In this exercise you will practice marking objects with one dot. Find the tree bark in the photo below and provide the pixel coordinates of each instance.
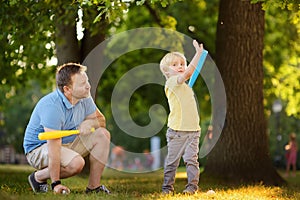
(67, 46)
(242, 154)
(94, 34)
(89, 42)
(67, 49)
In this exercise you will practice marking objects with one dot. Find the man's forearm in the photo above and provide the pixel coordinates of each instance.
(101, 119)
(54, 151)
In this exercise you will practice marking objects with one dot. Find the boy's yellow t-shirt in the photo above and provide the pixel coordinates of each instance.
(184, 114)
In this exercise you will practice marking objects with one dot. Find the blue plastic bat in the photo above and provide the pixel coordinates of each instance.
(198, 68)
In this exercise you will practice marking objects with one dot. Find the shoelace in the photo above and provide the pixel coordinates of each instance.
(104, 189)
(43, 187)
(101, 188)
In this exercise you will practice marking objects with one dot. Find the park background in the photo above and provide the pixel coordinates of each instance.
(254, 44)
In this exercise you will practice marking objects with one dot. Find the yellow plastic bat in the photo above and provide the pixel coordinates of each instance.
(58, 134)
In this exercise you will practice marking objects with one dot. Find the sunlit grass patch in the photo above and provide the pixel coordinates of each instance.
(14, 185)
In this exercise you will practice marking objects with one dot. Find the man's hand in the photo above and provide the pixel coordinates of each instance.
(85, 127)
(94, 120)
(61, 189)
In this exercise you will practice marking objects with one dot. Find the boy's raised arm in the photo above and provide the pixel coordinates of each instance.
(192, 66)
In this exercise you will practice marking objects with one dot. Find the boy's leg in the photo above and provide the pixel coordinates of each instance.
(176, 146)
(190, 158)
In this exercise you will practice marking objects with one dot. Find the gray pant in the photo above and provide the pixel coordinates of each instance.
(183, 144)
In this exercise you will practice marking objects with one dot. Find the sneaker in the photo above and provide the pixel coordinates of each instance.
(36, 186)
(189, 191)
(101, 188)
(167, 192)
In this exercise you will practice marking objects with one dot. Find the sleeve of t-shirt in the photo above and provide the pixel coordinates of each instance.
(171, 83)
(90, 106)
(52, 117)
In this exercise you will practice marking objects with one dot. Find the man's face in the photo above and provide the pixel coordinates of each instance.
(81, 86)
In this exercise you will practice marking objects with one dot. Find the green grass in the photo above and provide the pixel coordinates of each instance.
(14, 185)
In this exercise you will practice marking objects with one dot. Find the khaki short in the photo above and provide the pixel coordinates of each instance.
(82, 145)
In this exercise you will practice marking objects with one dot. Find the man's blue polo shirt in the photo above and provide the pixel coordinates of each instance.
(54, 111)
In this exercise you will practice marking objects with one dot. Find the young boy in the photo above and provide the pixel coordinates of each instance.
(183, 122)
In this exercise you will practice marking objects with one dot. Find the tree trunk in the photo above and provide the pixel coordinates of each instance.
(242, 154)
(94, 32)
(67, 49)
(89, 42)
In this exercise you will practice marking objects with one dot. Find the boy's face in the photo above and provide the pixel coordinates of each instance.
(178, 65)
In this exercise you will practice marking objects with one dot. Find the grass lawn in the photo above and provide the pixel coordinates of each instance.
(14, 185)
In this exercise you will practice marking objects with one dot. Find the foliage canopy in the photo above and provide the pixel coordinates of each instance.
(28, 45)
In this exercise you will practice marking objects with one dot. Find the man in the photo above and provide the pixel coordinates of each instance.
(69, 107)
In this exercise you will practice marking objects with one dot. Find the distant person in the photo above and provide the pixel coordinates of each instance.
(291, 154)
(149, 159)
(68, 107)
(183, 122)
(117, 157)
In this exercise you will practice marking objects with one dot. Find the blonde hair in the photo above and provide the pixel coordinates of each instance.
(167, 60)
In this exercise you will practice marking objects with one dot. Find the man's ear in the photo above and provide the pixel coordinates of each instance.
(67, 89)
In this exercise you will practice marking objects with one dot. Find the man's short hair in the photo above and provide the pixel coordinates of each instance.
(65, 72)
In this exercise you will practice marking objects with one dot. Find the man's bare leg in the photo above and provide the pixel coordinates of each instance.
(98, 157)
(72, 169)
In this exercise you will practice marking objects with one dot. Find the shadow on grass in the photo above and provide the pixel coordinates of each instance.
(14, 185)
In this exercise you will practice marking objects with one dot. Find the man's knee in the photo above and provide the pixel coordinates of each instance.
(76, 165)
(103, 133)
